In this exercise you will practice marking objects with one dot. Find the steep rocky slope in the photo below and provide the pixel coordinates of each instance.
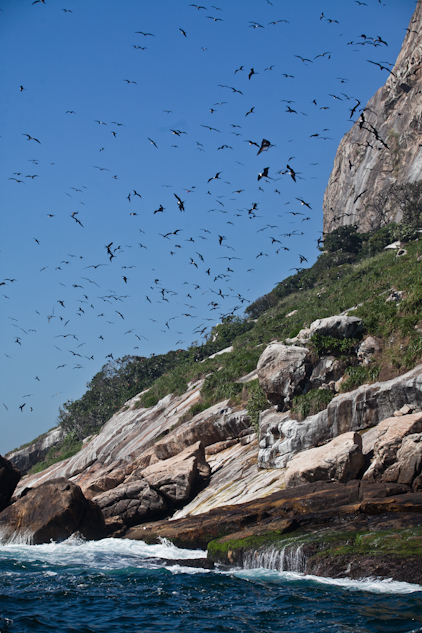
(383, 148)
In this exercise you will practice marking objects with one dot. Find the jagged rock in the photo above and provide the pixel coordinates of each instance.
(132, 503)
(367, 349)
(387, 439)
(281, 370)
(9, 478)
(282, 437)
(353, 195)
(52, 511)
(327, 370)
(408, 464)
(341, 459)
(216, 424)
(26, 457)
(338, 326)
(175, 477)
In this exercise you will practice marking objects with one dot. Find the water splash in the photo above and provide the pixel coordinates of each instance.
(16, 537)
(289, 558)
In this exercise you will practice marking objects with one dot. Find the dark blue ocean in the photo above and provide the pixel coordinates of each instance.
(114, 586)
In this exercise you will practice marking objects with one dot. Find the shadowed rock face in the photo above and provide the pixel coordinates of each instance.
(53, 511)
(365, 167)
(9, 477)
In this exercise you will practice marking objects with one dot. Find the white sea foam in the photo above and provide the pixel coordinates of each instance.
(373, 585)
(101, 555)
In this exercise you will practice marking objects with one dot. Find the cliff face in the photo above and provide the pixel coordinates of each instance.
(383, 148)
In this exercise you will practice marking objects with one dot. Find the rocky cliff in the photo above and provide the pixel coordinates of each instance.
(383, 149)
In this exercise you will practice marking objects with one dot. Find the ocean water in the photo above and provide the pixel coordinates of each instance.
(114, 586)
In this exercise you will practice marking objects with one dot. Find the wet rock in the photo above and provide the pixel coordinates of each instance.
(52, 511)
(341, 459)
(281, 370)
(9, 478)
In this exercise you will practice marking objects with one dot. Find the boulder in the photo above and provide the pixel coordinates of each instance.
(132, 502)
(386, 440)
(328, 369)
(367, 349)
(281, 370)
(52, 511)
(338, 326)
(174, 477)
(341, 460)
(9, 477)
(408, 465)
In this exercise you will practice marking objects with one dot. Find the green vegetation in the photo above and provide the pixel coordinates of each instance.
(352, 271)
(403, 543)
(312, 402)
(257, 402)
(70, 446)
(360, 375)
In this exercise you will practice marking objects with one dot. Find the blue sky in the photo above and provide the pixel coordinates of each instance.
(74, 60)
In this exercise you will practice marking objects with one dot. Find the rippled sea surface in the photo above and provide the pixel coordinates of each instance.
(114, 586)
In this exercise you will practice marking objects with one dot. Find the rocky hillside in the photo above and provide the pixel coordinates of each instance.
(383, 149)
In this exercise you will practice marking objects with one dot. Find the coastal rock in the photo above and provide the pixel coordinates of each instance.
(282, 437)
(133, 502)
(281, 370)
(341, 459)
(316, 504)
(387, 439)
(216, 424)
(408, 465)
(174, 477)
(52, 511)
(362, 196)
(26, 457)
(9, 478)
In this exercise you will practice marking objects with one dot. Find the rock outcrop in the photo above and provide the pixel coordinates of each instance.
(281, 437)
(394, 459)
(339, 460)
(25, 458)
(382, 148)
(52, 511)
(9, 478)
(281, 370)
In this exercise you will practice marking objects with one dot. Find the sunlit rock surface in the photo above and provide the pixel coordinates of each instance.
(281, 437)
(365, 167)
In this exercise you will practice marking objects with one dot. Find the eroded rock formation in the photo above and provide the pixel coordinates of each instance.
(52, 511)
(383, 147)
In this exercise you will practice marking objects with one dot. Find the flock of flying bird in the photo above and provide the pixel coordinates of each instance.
(216, 275)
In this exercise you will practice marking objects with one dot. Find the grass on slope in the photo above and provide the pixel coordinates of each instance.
(336, 282)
